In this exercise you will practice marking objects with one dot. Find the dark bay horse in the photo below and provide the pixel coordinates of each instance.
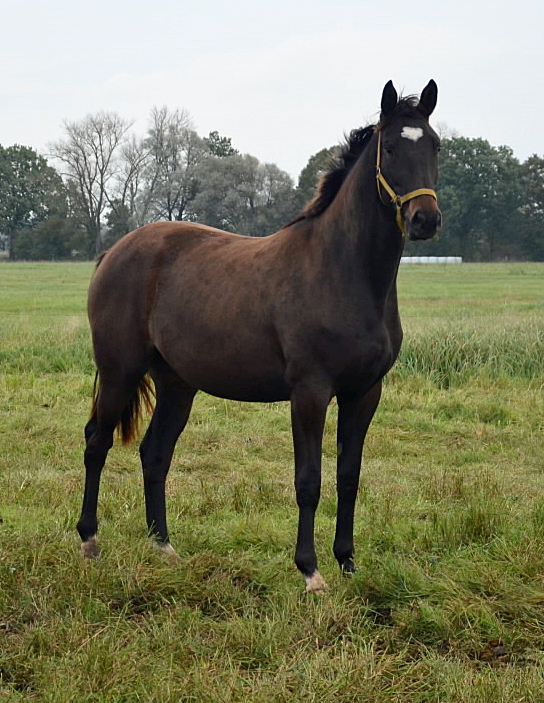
(305, 314)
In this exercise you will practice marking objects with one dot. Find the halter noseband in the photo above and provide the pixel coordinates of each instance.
(399, 200)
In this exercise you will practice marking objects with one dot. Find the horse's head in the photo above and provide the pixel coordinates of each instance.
(407, 161)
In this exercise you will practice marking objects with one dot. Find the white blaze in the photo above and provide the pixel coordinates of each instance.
(413, 133)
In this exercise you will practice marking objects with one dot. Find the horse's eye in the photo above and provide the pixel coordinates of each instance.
(388, 149)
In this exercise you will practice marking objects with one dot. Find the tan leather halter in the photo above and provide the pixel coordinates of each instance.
(399, 200)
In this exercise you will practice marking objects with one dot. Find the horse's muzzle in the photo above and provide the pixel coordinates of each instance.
(424, 219)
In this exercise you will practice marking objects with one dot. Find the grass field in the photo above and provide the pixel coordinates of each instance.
(448, 603)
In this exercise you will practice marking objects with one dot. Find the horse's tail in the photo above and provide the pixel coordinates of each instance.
(140, 402)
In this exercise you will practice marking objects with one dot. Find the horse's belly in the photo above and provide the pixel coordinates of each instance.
(248, 380)
(227, 369)
(270, 392)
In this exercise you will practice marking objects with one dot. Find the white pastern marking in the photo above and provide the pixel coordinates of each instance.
(166, 549)
(413, 133)
(89, 549)
(315, 583)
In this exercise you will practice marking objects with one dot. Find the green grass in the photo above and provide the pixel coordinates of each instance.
(448, 603)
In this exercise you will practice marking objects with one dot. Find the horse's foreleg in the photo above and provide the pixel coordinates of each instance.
(308, 411)
(172, 410)
(355, 413)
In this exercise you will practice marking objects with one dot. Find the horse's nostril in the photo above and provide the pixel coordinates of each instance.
(418, 218)
(427, 220)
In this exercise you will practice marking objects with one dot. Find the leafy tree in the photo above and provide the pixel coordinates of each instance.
(480, 197)
(219, 146)
(119, 222)
(532, 180)
(239, 194)
(55, 238)
(277, 201)
(31, 191)
(225, 188)
(309, 176)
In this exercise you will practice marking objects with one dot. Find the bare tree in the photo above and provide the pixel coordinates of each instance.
(444, 131)
(175, 150)
(90, 166)
(134, 157)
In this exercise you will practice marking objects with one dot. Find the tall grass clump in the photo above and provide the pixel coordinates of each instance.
(48, 344)
(452, 353)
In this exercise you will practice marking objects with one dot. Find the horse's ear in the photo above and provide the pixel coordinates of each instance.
(389, 99)
(427, 101)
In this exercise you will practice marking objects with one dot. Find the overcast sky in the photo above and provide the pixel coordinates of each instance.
(282, 79)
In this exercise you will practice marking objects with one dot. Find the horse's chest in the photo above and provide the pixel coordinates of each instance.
(375, 353)
(366, 356)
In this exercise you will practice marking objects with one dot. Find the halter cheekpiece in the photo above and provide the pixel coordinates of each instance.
(399, 200)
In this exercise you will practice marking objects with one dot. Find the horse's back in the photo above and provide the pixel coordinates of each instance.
(130, 269)
(202, 298)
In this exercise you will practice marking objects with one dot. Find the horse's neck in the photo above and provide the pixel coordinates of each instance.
(363, 234)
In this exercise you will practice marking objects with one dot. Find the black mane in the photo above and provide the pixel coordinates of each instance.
(331, 181)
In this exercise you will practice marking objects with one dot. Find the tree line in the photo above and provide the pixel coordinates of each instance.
(100, 181)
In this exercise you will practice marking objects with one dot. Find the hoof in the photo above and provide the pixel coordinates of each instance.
(89, 549)
(348, 568)
(167, 550)
(316, 584)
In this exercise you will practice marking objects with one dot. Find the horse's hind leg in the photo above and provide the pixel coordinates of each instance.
(112, 399)
(172, 409)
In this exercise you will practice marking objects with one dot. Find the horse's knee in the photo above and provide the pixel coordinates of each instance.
(308, 491)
